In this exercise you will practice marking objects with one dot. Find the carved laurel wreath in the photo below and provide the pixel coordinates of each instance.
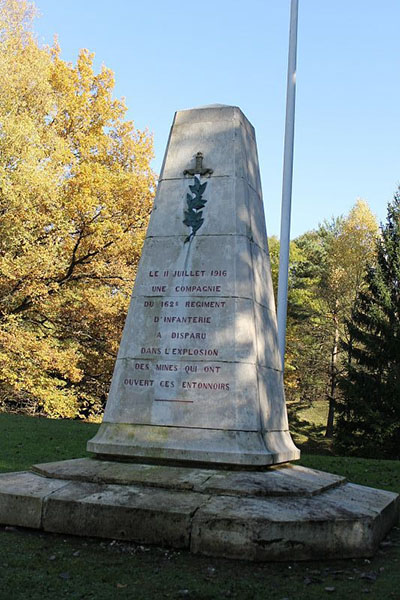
(195, 204)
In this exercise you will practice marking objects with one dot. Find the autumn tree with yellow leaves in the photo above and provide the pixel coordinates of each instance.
(337, 254)
(327, 268)
(76, 190)
(350, 248)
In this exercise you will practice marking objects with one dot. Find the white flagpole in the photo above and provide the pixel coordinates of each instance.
(287, 182)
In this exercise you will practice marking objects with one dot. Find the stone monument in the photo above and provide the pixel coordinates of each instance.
(198, 376)
(194, 448)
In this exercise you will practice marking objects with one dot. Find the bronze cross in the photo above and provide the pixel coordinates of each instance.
(198, 170)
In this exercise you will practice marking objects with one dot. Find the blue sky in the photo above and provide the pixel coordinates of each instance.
(172, 55)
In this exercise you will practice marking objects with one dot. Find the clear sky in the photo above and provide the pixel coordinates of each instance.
(173, 54)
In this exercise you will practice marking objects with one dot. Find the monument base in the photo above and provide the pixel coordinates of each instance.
(287, 512)
(191, 445)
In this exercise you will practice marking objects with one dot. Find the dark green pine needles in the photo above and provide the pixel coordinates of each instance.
(369, 415)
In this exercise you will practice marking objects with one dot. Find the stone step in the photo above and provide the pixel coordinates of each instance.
(285, 480)
(221, 514)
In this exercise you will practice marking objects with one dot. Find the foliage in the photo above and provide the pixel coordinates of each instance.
(326, 271)
(303, 369)
(75, 194)
(369, 421)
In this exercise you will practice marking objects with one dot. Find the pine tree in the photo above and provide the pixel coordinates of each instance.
(369, 415)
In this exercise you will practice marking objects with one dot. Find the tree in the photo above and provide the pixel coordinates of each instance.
(369, 414)
(337, 256)
(349, 245)
(303, 355)
(326, 271)
(75, 195)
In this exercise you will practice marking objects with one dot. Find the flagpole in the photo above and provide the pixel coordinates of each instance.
(287, 182)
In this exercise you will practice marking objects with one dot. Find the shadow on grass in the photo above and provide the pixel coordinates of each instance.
(308, 436)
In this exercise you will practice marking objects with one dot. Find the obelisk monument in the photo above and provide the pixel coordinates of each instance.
(198, 377)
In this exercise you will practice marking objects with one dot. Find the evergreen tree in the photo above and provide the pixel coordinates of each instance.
(369, 415)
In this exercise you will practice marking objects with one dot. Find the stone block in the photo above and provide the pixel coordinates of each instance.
(125, 473)
(263, 292)
(21, 498)
(220, 134)
(224, 324)
(219, 266)
(267, 339)
(257, 217)
(287, 528)
(285, 480)
(145, 515)
(274, 416)
(204, 447)
(216, 395)
(226, 212)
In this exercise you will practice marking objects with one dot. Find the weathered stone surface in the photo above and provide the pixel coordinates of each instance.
(228, 255)
(285, 480)
(227, 136)
(198, 376)
(150, 516)
(21, 498)
(154, 403)
(343, 522)
(241, 206)
(283, 513)
(196, 325)
(193, 445)
(124, 473)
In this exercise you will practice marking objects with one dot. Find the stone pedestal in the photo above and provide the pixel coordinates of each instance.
(286, 512)
(198, 377)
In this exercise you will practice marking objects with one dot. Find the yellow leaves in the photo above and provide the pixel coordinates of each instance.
(350, 249)
(75, 195)
(32, 364)
(16, 17)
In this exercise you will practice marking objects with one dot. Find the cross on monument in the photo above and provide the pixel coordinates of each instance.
(198, 170)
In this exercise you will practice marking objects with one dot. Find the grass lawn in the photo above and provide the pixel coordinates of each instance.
(45, 566)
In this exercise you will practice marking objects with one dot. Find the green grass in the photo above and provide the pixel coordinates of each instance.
(308, 424)
(25, 441)
(44, 566)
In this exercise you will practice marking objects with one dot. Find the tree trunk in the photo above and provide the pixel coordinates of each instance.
(333, 381)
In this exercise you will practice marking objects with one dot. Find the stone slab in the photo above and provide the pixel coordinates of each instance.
(202, 447)
(21, 498)
(216, 266)
(225, 137)
(217, 396)
(145, 515)
(283, 513)
(124, 473)
(241, 207)
(285, 480)
(343, 522)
